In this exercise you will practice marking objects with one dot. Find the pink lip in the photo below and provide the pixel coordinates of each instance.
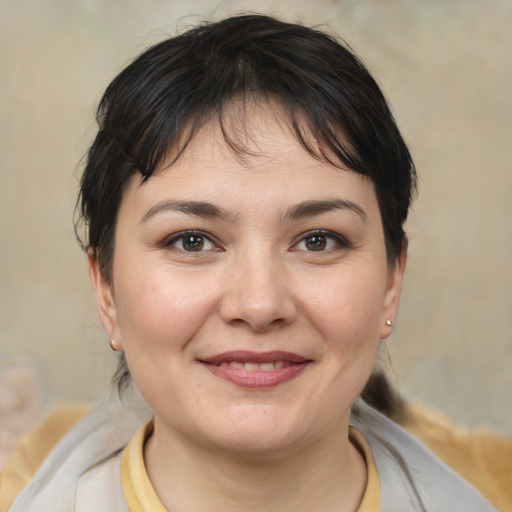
(290, 365)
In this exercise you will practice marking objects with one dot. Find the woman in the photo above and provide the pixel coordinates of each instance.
(244, 201)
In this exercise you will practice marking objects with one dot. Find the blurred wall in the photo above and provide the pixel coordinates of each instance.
(446, 68)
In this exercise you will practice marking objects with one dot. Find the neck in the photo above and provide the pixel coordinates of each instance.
(328, 474)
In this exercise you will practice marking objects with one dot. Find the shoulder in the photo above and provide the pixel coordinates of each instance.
(31, 450)
(85, 457)
(480, 456)
(100, 488)
(412, 478)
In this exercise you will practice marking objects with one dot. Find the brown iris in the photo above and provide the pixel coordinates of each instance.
(316, 243)
(193, 242)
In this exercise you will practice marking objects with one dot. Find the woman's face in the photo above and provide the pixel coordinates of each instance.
(250, 295)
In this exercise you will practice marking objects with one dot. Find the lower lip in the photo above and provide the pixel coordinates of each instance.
(257, 379)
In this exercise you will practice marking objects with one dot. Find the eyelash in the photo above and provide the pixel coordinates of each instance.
(176, 237)
(340, 241)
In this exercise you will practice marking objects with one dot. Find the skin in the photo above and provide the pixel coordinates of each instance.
(261, 282)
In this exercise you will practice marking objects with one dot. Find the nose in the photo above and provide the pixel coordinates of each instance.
(258, 295)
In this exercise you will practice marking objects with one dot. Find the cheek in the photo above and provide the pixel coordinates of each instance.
(347, 309)
(158, 317)
(159, 313)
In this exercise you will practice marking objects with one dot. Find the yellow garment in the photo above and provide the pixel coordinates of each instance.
(371, 498)
(33, 448)
(138, 491)
(141, 496)
(481, 457)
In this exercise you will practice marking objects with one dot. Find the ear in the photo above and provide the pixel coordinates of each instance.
(393, 292)
(105, 302)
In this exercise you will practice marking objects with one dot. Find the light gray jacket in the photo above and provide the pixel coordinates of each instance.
(82, 474)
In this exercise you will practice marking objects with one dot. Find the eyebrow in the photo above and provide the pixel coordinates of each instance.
(295, 212)
(314, 207)
(199, 208)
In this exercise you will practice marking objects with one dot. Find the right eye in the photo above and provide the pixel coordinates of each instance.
(321, 240)
(191, 242)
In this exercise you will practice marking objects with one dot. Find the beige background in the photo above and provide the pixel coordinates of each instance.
(446, 67)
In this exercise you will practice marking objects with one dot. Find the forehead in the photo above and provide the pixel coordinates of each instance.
(253, 156)
(251, 129)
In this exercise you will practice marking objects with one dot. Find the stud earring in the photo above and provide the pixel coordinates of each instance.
(389, 323)
(112, 345)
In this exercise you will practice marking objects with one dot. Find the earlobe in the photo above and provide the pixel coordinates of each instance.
(105, 302)
(393, 292)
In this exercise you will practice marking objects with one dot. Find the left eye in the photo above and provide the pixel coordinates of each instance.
(318, 242)
(192, 242)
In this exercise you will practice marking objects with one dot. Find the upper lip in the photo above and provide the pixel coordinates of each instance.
(248, 356)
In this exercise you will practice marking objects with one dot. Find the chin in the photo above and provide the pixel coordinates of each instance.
(258, 432)
(258, 443)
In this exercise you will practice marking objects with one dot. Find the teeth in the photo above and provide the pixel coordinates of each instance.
(266, 367)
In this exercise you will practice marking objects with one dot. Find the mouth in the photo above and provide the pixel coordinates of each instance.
(256, 369)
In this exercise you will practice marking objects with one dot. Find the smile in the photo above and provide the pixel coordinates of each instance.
(266, 367)
(256, 370)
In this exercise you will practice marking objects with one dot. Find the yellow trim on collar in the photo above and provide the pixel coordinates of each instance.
(371, 497)
(138, 490)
